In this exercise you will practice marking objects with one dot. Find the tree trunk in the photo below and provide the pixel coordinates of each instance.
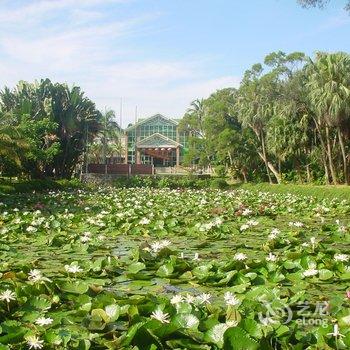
(230, 158)
(343, 152)
(330, 158)
(308, 173)
(243, 172)
(265, 157)
(323, 152)
(270, 167)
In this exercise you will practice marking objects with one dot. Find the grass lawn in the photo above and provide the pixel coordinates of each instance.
(340, 192)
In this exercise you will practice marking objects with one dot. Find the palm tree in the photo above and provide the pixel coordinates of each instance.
(12, 144)
(255, 107)
(329, 92)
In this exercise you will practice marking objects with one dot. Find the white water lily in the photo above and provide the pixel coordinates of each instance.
(275, 231)
(240, 257)
(231, 299)
(34, 342)
(176, 299)
(296, 224)
(204, 298)
(189, 299)
(7, 295)
(31, 229)
(247, 212)
(341, 257)
(311, 271)
(271, 257)
(85, 239)
(313, 242)
(160, 316)
(37, 276)
(145, 221)
(43, 321)
(73, 268)
(252, 222)
(159, 245)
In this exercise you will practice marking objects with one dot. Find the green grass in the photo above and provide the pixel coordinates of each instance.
(320, 192)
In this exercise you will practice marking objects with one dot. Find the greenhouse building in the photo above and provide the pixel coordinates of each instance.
(156, 141)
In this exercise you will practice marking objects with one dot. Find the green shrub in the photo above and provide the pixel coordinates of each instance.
(221, 170)
(38, 185)
(220, 184)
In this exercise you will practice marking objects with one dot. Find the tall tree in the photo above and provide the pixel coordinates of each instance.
(54, 119)
(329, 92)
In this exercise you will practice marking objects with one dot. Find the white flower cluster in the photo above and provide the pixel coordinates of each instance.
(249, 224)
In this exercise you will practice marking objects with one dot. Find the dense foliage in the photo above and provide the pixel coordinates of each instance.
(44, 128)
(320, 3)
(288, 120)
(173, 269)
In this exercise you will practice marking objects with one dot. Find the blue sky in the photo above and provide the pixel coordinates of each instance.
(156, 54)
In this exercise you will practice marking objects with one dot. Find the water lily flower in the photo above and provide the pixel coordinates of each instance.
(240, 257)
(347, 294)
(296, 224)
(157, 246)
(34, 342)
(313, 242)
(231, 299)
(160, 316)
(275, 231)
(7, 296)
(311, 271)
(204, 298)
(246, 212)
(85, 239)
(190, 299)
(176, 299)
(252, 222)
(144, 221)
(73, 268)
(36, 276)
(341, 257)
(244, 227)
(43, 321)
(271, 257)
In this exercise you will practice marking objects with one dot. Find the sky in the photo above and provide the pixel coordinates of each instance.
(158, 55)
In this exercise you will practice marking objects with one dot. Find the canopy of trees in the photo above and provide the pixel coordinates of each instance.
(44, 128)
(289, 119)
(320, 3)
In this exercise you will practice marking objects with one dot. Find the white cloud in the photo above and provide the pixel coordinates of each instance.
(79, 41)
(36, 10)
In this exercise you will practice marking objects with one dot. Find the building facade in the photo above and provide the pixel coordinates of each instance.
(155, 140)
